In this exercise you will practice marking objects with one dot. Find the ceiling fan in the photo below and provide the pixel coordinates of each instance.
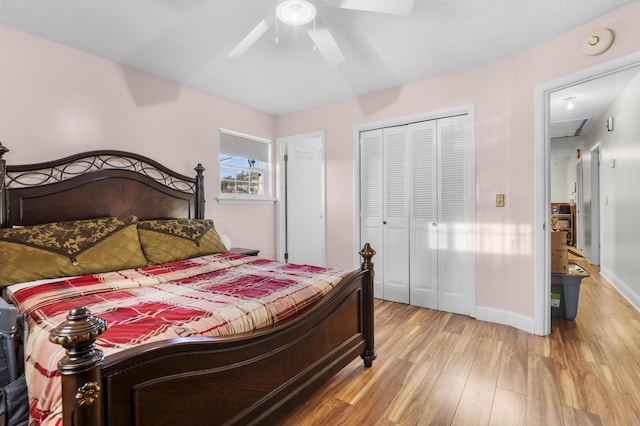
(302, 12)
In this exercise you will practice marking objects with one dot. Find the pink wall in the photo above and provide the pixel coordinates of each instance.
(503, 94)
(57, 101)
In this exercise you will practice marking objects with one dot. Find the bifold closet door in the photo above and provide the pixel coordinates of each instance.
(384, 209)
(371, 202)
(456, 216)
(417, 211)
(441, 212)
(395, 224)
(423, 223)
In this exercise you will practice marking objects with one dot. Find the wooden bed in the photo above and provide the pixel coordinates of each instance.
(251, 378)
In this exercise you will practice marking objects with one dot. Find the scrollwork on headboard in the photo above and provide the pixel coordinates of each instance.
(93, 161)
(84, 179)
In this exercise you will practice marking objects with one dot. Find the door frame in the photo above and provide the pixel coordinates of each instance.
(579, 225)
(280, 190)
(469, 110)
(595, 204)
(542, 187)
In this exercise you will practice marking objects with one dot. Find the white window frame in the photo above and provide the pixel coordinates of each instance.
(229, 137)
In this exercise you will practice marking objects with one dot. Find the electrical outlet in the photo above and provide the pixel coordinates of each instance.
(499, 200)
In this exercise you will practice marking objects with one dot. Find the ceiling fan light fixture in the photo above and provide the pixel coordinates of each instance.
(296, 12)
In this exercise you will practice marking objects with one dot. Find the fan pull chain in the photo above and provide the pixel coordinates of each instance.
(276, 30)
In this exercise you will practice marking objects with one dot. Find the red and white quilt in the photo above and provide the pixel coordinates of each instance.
(215, 295)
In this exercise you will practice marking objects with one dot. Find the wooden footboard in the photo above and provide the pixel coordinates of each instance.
(244, 379)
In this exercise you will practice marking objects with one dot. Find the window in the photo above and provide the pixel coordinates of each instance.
(244, 167)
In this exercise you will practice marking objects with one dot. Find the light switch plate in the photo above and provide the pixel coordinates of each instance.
(499, 200)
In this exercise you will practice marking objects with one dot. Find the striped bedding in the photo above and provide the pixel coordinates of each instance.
(216, 295)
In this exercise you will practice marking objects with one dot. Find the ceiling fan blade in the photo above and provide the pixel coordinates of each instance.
(253, 36)
(393, 7)
(326, 44)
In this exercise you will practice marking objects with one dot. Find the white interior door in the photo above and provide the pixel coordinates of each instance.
(303, 199)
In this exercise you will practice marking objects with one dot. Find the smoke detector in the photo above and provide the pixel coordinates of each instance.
(597, 42)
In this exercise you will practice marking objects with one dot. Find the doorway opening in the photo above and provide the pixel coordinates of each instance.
(543, 136)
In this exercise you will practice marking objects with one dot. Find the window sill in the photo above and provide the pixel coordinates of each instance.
(240, 200)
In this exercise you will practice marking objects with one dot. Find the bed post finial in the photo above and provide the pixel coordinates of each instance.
(369, 353)
(3, 150)
(3, 170)
(82, 395)
(199, 191)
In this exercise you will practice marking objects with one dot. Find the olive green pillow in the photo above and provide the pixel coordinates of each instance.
(69, 248)
(168, 240)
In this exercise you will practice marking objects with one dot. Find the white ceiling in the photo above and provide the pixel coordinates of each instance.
(187, 41)
(592, 99)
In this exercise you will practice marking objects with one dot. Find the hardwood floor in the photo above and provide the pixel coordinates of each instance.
(446, 369)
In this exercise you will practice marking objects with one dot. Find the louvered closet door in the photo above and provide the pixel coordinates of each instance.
(423, 235)
(395, 214)
(371, 201)
(417, 211)
(456, 204)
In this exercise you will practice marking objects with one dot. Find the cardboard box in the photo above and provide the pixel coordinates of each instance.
(559, 257)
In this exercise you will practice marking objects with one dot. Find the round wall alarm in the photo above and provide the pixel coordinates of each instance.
(597, 42)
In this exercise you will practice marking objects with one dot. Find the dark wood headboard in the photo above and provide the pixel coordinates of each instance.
(96, 184)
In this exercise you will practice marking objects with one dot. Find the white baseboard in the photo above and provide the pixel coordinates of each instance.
(626, 291)
(509, 318)
(525, 323)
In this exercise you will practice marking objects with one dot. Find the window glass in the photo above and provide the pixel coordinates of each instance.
(243, 165)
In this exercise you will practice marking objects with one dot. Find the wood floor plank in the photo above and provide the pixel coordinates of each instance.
(367, 379)
(477, 398)
(569, 367)
(627, 377)
(573, 417)
(539, 345)
(543, 394)
(605, 398)
(421, 379)
(508, 409)
(461, 359)
(368, 410)
(456, 324)
(441, 404)
(418, 335)
(332, 411)
(628, 335)
(513, 364)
